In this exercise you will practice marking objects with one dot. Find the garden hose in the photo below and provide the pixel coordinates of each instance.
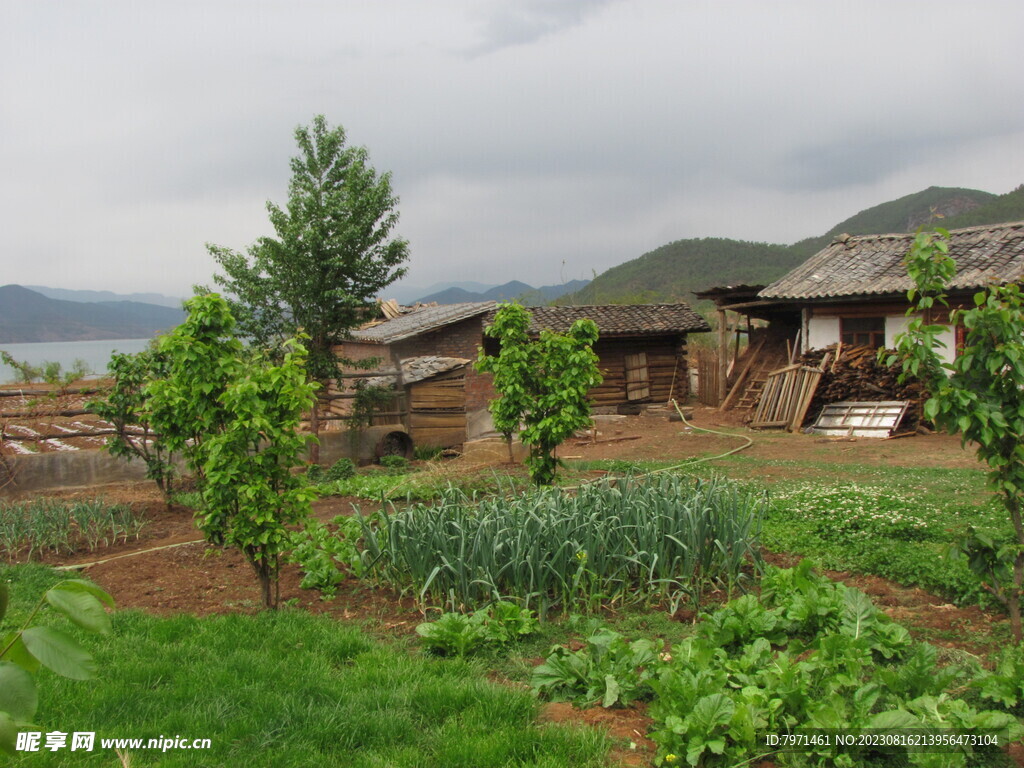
(689, 462)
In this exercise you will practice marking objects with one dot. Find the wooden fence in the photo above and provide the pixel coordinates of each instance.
(707, 377)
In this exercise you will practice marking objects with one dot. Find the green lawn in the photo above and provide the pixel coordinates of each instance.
(287, 689)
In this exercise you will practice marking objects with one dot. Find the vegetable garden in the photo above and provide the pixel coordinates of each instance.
(790, 650)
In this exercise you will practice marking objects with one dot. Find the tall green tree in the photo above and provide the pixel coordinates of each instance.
(980, 395)
(334, 249)
(235, 415)
(542, 383)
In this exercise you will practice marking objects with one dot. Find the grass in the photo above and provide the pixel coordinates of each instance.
(288, 689)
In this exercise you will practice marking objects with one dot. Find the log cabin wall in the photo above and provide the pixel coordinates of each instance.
(666, 369)
(437, 410)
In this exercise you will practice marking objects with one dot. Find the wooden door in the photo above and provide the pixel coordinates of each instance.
(638, 382)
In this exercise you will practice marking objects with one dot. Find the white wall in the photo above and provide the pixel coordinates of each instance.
(824, 331)
(897, 324)
(821, 332)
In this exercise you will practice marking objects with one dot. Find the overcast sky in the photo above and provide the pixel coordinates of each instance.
(538, 140)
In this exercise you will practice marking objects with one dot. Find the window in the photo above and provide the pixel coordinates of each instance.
(862, 331)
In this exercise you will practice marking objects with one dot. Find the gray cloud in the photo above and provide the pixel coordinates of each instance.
(506, 25)
(589, 133)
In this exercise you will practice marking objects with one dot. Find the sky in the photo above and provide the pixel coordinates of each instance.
(532, 140)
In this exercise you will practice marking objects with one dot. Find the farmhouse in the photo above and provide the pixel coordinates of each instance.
(428, 355)
(854, 291)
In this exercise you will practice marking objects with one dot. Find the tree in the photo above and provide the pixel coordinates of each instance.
(980, 395)
(543, 384)
(126, 408)
(332, 253)
(235, 417)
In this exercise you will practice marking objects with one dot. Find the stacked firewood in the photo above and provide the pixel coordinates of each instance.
(856, 375)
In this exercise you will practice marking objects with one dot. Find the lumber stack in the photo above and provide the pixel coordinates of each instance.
(854, 373)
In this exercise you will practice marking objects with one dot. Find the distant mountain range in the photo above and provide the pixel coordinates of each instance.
(29, 316)
(674, 271)
(66, 294)
(514, 289)
(669, 273)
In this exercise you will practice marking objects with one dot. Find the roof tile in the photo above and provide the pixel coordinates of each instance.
(873, 264)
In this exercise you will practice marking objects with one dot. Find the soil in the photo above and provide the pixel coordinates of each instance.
(169, 569)
(44, 430)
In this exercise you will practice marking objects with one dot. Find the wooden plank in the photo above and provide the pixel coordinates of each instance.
(743, 376)
(637, 378)
(439, 420)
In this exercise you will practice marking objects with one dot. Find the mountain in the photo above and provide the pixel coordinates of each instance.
(674, 271)
(409, 294)
(66, 294)
(512, 290)
(29, 316)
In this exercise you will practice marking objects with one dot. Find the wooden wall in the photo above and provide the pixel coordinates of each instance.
(666, 359)
(437, 410)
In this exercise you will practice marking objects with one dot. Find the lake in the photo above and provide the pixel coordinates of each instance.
(96, 354)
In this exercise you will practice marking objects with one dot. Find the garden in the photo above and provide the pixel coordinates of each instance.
(671, 600)
(452, 615)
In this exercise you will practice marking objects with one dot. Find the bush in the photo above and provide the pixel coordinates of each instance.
(395, 463)
(342, 469)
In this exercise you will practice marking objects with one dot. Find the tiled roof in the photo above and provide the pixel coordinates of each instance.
(421, 321)
(419, 368)
(873, 264)
(619, 319)
(415, 369)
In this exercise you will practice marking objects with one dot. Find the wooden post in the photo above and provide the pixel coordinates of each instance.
(723, 355)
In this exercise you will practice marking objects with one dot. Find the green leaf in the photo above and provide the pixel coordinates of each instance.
(611, 691)
(893, 719)
(92, 589)
(711, 711)
(8, 734)
(17, 653)
(58, 652)
(78, 603)
(4, 598)
(18, 696)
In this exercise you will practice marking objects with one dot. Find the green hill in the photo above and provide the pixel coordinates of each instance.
(674, 271)
(1008, 207)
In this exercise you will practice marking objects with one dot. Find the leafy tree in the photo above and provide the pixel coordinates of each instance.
(22, 652)
(126, 408)
(543, 384)
(235, 416)
(332, 253)
(980, 395)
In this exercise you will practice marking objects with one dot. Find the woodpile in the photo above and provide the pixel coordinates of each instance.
(854, 373)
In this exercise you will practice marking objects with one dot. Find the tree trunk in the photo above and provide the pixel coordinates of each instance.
(314, 427)
(1017, 588)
